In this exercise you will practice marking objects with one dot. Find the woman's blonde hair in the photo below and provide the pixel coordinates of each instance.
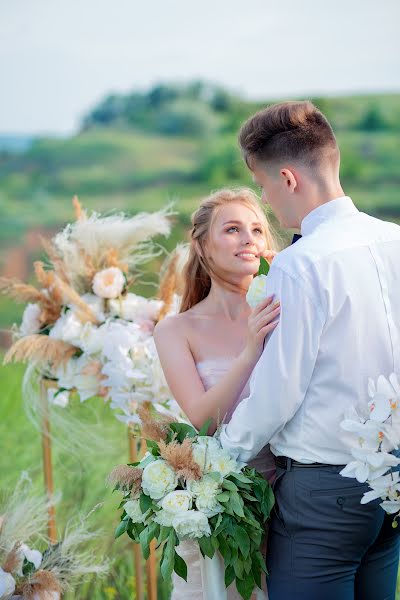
(198, 271)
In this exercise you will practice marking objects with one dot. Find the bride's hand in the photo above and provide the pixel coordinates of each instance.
(262, 320)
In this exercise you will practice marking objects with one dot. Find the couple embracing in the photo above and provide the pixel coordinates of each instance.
(283, 374)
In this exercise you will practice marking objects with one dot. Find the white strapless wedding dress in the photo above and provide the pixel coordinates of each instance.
(204, 575)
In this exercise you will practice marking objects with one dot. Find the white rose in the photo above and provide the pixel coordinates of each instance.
(164, 518)
(30, 320)
(191, 524)
(177, 502)
(57, 398)
(7, 584)
(223, 463)
(67, 328)
(257, 291)
(108, 283)
(203, 451)
(206, 491)
(158, 479)
(132, 509)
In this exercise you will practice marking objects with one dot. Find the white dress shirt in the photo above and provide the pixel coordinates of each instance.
(339, 288)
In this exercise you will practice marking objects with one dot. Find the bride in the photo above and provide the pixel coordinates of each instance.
(208, 351)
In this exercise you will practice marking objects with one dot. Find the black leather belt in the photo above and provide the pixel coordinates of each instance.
(283, 462)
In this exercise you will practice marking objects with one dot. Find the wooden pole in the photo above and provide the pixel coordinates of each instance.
(151, 568)
(47, 461)
(133, 455)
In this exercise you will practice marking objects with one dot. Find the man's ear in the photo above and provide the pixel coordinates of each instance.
(290, 179)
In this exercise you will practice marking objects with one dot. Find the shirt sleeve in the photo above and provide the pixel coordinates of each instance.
(282, 375)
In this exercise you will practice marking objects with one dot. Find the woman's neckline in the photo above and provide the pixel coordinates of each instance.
(216, 359)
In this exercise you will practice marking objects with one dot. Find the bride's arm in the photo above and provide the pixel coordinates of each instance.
(182, 376)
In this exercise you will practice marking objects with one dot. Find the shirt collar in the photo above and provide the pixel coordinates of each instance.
(342, 206)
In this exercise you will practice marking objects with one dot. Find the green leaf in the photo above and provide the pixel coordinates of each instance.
(240, 477)
(229, 485)
(264, 266)
(243, 540)
(223, 497)
(180, 566)
(206, 546)
(237, 504)
(151, 445)
(223, 524)
(219, 521)
(245, 586)
(183, 430)
(168, 558)
(238, 566)
(122, 527)
(256, 572)
(145, 502)
(224, 549)
(204, 428)
(215, 476)
(146, 536)
(229, 575)
(165, 532)
(146, 461)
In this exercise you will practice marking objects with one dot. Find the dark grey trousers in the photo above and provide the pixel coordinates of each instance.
(324, 545)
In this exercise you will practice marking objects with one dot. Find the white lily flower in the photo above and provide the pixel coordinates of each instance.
(369, 464)
(383, 487)
(390, 506)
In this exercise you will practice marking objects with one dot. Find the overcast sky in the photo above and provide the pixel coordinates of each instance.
(59, 57)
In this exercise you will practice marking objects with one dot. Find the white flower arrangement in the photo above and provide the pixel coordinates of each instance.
(187, 488)
(376, 436)
(83, 329)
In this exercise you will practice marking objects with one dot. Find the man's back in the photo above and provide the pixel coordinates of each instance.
(348, 263)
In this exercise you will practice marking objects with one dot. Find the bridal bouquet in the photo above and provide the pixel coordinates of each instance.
(376, 434)
(82, 329)
(188, 487)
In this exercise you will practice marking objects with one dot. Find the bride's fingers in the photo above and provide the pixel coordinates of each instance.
(266, 312)
(267, 329)
(268, 318)
(262, 305)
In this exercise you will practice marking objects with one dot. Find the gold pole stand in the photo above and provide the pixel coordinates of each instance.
(133, 455)
(151, 568)
(47, 461)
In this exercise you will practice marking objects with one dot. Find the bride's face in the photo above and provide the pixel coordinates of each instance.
(236, 241)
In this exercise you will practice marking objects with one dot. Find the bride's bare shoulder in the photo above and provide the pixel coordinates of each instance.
(173, 324)
(179, 324)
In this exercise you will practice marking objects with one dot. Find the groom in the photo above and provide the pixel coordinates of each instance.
(339, 288)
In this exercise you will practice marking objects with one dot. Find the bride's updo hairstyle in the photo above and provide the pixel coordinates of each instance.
(198, 270)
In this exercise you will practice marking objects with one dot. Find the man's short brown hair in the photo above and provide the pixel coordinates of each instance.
(286, 132)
